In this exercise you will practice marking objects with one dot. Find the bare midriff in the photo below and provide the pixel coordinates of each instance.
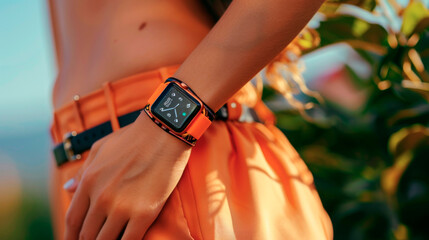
(100, 41)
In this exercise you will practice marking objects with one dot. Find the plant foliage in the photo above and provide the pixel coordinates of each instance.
(371, 165)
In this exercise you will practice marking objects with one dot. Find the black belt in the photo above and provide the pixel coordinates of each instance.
(75, 144)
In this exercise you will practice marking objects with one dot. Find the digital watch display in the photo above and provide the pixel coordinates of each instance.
(179, 111)
(175, 107)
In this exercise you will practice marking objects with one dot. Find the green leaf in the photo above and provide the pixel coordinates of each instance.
(407, 139)
(413, 14)
(365, 4)
(340, 28)
(360, 27)
(422, 25)
(391, 176)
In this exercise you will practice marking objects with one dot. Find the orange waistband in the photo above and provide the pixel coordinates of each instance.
(126, 95)
(112, 100)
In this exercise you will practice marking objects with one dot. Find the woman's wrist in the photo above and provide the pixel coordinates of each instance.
(148, 129)
(207, 93)
(179, 111)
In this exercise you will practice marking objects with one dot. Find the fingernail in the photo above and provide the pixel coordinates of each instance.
(68, 184)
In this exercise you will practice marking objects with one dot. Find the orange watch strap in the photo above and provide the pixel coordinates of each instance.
(156, 94)
(198, 126)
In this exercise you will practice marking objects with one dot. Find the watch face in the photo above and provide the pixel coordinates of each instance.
(175, 107)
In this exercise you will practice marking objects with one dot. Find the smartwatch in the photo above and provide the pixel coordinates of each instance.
(179, 111)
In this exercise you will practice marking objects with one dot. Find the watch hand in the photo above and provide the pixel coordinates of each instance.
(163, 110)
(175, 112)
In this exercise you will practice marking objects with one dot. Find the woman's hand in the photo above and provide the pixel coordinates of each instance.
(125, 182)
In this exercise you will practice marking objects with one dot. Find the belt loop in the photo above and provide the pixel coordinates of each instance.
(234, 110)
(55, 129)
(163, 73)
(108, 94)
(77, 113)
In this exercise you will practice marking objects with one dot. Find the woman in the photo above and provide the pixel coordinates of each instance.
(242, 180)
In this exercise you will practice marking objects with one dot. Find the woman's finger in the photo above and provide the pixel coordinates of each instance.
(71, 184)
(113, 226)
(76, 214)
(136, 228)
(93, 222)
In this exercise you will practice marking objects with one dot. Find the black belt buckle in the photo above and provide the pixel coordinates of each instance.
(68, 147)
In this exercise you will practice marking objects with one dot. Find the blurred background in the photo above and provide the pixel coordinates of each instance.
(353, 100)
(27, 71)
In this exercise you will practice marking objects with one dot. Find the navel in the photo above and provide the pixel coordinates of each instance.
(142, 25)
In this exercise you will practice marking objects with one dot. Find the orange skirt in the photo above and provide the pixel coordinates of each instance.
(242, 181)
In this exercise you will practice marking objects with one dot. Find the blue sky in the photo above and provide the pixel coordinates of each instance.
(26, 67)
(27, 71)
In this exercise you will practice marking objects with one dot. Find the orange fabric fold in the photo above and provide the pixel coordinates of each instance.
(242, 181)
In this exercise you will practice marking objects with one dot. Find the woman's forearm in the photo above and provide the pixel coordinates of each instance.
(243, 41)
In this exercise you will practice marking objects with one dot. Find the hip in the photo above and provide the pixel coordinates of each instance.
(238, 176)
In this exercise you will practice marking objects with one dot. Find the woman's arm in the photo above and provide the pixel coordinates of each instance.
(129, 174)
(245, 39)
